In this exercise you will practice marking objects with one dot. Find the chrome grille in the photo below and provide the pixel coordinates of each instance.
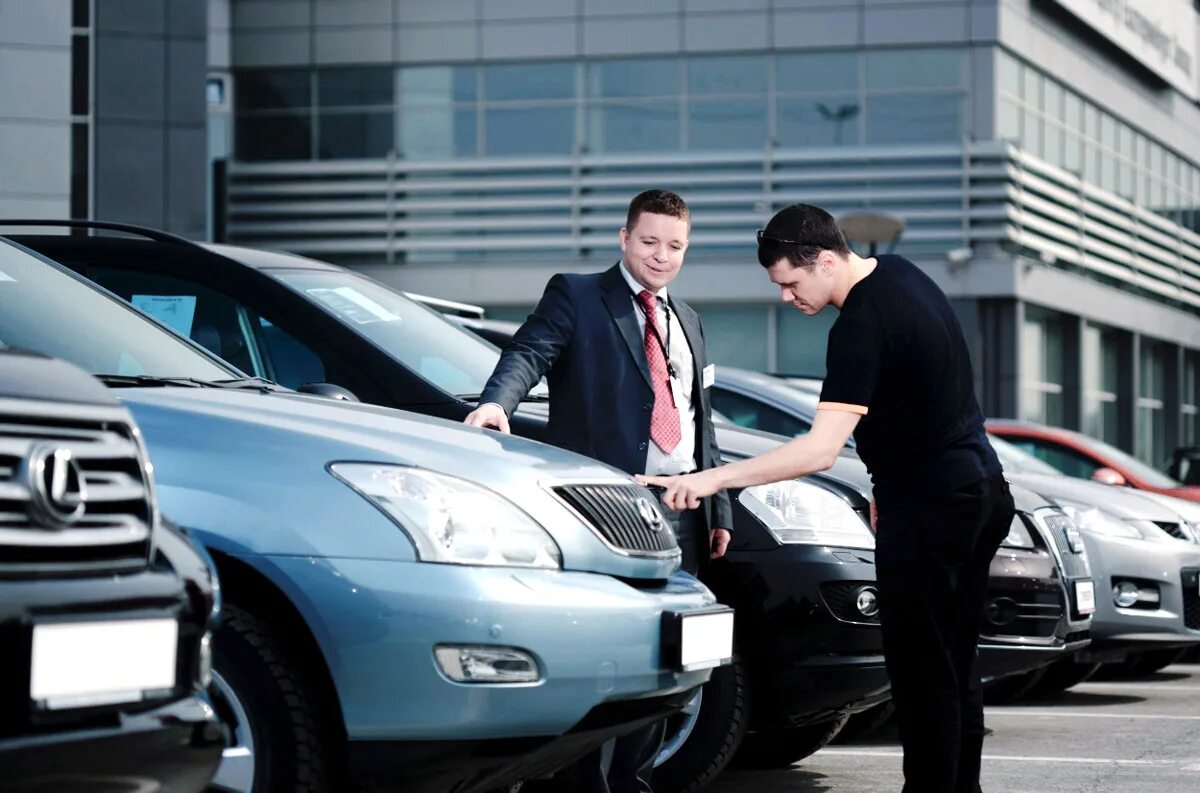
(618, 513)
(112, 530)
(1060, 528)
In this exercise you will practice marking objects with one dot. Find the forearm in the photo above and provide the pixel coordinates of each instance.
(799, 457)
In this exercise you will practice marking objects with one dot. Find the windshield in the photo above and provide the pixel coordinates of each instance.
(1152, 477)
(1019, 460)
(47, 310)
(453, 359)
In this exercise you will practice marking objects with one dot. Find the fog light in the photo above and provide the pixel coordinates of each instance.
(205, 662)
(1125, 594)
(483, 664)
(867, 602)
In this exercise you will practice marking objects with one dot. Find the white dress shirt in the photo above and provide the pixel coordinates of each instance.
(682, 458)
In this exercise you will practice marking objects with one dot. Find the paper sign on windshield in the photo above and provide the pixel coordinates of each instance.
(174, 311)
(353, 305)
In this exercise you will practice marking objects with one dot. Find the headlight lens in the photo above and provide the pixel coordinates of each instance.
(799, 512)
(450, 520)
(1091, 518)
(1018, 535)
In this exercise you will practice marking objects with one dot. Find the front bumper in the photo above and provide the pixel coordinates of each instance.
(1164, 565)
(810, 655)
(173, 749)
(595, 639)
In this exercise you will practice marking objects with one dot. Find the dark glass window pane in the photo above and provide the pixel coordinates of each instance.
(79, 171)
(645, 126)
(640, 77)
(80, 68)
(914, 118)
(271, 90)
(727, 74)
(349, 87)
(513, 81)
(817, 71)
(535, 130)
(427, 85)
(916, 69)
(354, 135)
(81, 13)
(287, 137)
(1066, 460)
(818, 121)
(727, 125)
(746, 412)
(437, 132)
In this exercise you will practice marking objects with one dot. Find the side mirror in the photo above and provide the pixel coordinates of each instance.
(1108, 476)
(328, 390)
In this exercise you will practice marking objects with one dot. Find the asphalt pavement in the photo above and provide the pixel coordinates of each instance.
(1121, 736)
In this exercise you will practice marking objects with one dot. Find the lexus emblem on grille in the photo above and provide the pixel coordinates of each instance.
(649, 514)
(57, 492)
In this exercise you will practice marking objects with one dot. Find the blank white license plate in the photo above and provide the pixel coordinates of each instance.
(82, 664)
(1085, 597)
(706, 640)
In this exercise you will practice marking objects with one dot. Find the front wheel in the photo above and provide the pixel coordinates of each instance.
(789, 745)
(279, 735)
(1013, 687)
(702, 738)
(1061, 675)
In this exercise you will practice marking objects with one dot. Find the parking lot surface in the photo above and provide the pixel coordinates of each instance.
(1120, 736)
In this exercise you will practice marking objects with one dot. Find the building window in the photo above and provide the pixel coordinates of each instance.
(1101, 373)
(1150, 440)
(1190, 406)
(803, 340)
(736, 335)
(1042, 373)
(438, 112)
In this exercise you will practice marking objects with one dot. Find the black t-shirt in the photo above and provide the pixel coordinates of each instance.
(898, 356)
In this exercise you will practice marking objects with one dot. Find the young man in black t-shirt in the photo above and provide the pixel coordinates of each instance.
(899, 378)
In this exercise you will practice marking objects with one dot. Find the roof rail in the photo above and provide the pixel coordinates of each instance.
(128, 228)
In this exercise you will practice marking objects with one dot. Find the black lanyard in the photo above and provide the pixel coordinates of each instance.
(652, 324)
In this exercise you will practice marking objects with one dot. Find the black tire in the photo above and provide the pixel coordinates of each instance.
(1012, 688)
(715, 737)
(869, 721)
(1061, 675)
(294, 747)
(787, 746)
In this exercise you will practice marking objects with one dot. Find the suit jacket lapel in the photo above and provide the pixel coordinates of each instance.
(619, 302)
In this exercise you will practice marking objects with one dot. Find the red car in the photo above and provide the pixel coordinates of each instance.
(1076, 454)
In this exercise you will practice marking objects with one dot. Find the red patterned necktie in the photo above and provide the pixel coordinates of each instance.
(664, 421)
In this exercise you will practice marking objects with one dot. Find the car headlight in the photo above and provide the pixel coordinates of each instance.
(1018, 535)
(1091, 518)
(799, 512)
(450, 520)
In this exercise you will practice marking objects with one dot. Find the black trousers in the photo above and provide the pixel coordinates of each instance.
(932, 559)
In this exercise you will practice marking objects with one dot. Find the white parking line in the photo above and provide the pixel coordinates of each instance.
(1075, 714)
(1004, 758)
(1132, 686)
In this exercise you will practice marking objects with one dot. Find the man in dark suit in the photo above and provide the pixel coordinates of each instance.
(629, 383)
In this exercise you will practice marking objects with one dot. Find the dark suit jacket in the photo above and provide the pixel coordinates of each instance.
(583, 336)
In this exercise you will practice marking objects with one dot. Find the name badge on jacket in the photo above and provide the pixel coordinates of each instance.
(708, 376)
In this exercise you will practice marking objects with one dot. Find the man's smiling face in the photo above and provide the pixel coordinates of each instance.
(653, 249)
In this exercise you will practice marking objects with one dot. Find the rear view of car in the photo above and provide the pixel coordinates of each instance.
(104, 613)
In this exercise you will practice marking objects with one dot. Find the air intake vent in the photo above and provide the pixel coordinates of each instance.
(1176, 530)
(627, 517)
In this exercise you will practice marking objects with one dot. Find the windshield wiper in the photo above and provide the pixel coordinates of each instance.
(145, 380)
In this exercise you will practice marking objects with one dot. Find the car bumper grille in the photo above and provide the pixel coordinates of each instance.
(1191, 598)
(626, 517)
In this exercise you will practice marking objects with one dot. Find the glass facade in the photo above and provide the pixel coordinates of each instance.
(1042, 370)
(691, 103)
(1151, 435)
(1101, 373)
(1049, 120)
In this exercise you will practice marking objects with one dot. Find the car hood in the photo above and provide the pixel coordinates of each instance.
(283, 441)
(1122, 502)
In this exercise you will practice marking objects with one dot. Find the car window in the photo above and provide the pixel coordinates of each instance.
(1128, 462)
(289, 361)
(1018, 460)
(211, 319)
(746, 412)
(46, 309)
(1069, 461)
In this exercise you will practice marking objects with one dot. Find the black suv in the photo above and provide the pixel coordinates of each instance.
(104, 612)
(810, 655)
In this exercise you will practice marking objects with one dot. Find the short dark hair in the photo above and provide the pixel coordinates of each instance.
(656, 202)
(799, 233)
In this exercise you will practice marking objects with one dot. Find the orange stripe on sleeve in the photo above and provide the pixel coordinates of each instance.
(843, 406)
